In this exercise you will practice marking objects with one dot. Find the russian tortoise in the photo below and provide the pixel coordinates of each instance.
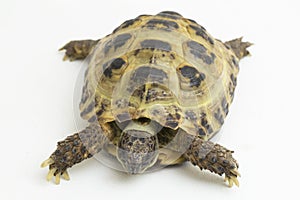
(156, 90)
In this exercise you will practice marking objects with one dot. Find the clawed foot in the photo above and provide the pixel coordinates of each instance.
(215, 158)
(76, 50)
(227, 165)
(54, 172)
(232, 179)
(221, 162)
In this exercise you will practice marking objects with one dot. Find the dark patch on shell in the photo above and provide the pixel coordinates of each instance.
(92, 119)
(166, 15)
(167, 25)
(201, 132)
(233, 79)
(225, 106)
(117, 42)
(140, 16)
(200, 31)
(231, 90)
(151, 95)
(172, 56)
(200, 51)
(193, 21)
(136, 52)
(171, 124)
(204, 121)
(190, 115)
(101, 105)
(235, 62)
(209, 129)
(139, 92)
(205, 124)
(219, 117)
(156, 44)
(89, 109)
(100, 112)
(85, 93)
(84, 97)
(156, 93)
(191, 73)
(122, 103)
(170, 13)
(146, 73)
(171, 121)
(112, 65)
(126, 24)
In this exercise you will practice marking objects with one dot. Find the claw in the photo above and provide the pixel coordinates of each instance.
(65, 58)
(51, 174)
(226, 179)
(235, 171)
(47, 162)
(57, 179)
(232, 180)
(66, 176)
(235, 181)
(63, 48)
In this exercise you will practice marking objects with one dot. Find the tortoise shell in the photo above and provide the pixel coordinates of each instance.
(163, 67)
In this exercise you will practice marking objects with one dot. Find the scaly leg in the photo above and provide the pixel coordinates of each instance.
(79, 49)
(73, 150)
(215, 158)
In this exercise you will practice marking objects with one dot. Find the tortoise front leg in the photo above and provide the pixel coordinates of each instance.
(215, 158)
(73, 150)
(78, 49)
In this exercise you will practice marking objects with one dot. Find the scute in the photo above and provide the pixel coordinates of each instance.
(163, 67)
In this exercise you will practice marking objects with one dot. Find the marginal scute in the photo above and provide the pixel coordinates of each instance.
(219, 116)
(89, 109)
(233, 79)
(157, 23)
(192, 21)
(200, 31)
(170, 13)
(127, 24)
(225, 106)
(92, 119)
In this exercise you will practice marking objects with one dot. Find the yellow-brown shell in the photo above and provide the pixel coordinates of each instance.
(163, 67)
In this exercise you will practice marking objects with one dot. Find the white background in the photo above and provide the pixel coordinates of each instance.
(37, 90)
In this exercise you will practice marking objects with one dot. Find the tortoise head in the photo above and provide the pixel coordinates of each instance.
(138, 147)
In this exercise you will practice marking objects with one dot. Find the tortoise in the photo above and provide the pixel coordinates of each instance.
(156, 90)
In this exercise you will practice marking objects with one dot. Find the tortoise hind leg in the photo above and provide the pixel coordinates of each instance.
(239, 47)
(215, 158)
(74, 149)
(78, 49)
